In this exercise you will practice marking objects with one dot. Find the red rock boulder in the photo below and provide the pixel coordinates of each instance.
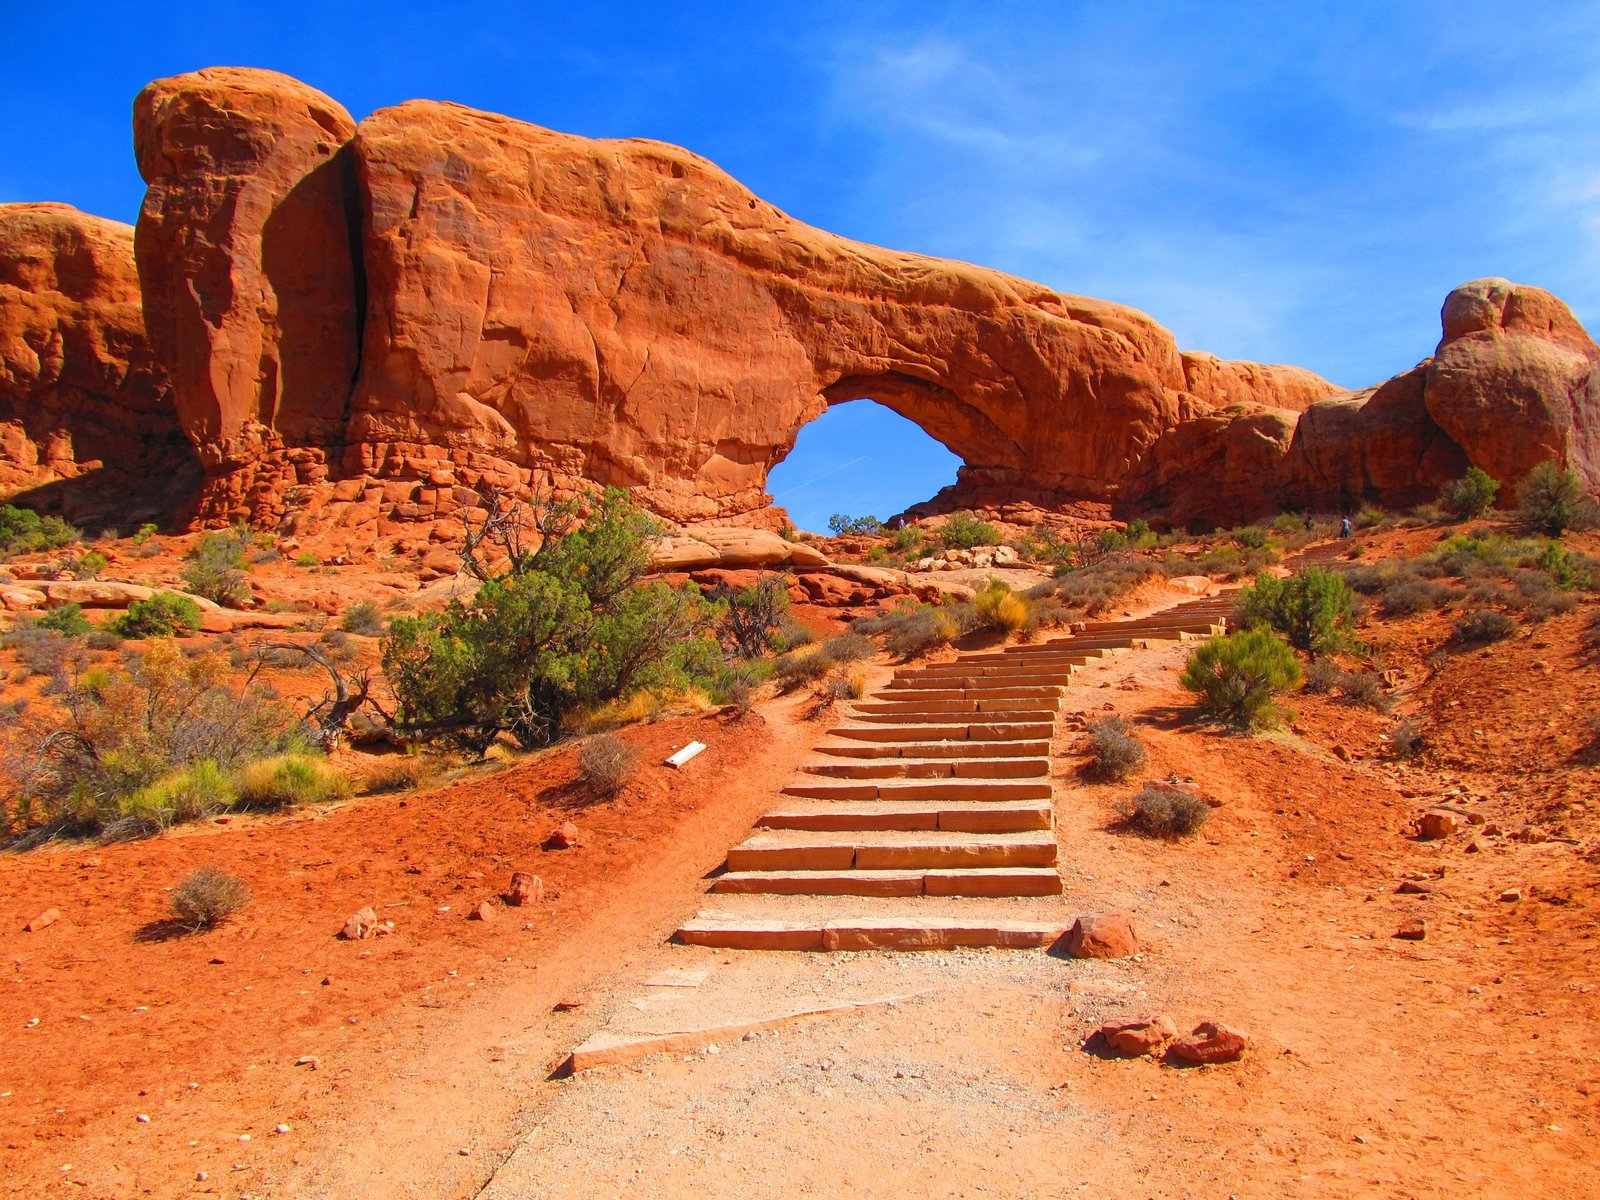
(1210, 1042)
(1101, 935)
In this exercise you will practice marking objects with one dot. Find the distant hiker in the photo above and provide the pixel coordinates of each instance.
(1309, 523)
(1344, 527)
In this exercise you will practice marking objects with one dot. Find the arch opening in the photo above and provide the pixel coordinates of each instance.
(858, 458)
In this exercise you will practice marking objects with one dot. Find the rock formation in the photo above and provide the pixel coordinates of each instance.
(363, 324)
(84, 412)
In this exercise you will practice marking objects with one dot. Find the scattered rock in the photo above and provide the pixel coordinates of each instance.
(1412, 887)
(309, 1060)
(48, 917)
(1135, 1038)
(1211, 1042)
(1414, 930)
(1101, 935)
(361, 924)
(568, 1003)
(565, 837)
(485, 911)
(526, 888)
(1439, 823)
(1511, 895)
(1341, 753)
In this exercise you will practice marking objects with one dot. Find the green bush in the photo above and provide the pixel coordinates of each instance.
(905, 539)
(569, 626)
(1470, 496)
(189, 794)
(213, 567)
(925, 630)
(364, 617)
(1482, 627)
(67, 620)
(1114, 751)
(963, 531)
(845, 648)
(89, 565)
(289, 781)
(841, 524)
(165, 614)
(800, 667)
(752, 616)
(22, 530)
(1553, 501)
(1315, 610)
(996, 606)
(1237, 677)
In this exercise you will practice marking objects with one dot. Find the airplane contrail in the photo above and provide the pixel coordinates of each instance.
(818, 479)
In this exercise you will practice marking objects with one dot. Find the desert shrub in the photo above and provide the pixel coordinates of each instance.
(102, 639)
(1589, 638)
(791, 635)
(1163, 812)
(125, 729)
(801, 667)
(849, 647)
(1233, 562)
(842, 524)
(290, 781)
(1366, 579)
(307, 559)
(165, 614)
(1405, 594)
(855, 680)
(1046, 614)
(1251, 537)
(905, 539)
(1552, 501)
(1480, 627)
(1470, 496)
(189, 794)
(566, 627)
(146, 532)
(1045, 545)
(22, 530)
(1237, 677)
(606, 763)
(207, 898)
(751, 616)
(1405, 739)
(1538, 597)
(401, 773)
(1094, 588)
(212, 567)
(1366, 689)
(67, 620)
(1370, 517)
(1314, 610)
(1324, 675)
(89, 565)
(1114, 751)
(998, 607)
(42, 650)
(364, 617)
(925, 630)
(737, 692)
(963, 531)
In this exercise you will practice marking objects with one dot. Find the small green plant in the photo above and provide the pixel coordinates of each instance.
(1405, 739)
(1238, 677)
(1163, 812)
(1114, 752)
(1470, 496)
(189, 794)
(845, 648)
(998, 607)
(1251, 537)
(606, 763)
(213, 567)
(289, 781)
(66, 619)
(1315, 610)
(207, 898)
(801, 667)
(307, 559)
(963, 531)
(1553, 501)
(164, 614)
(364, 617)
(925, 630)
(89, 565)
(22, 530)
(1481, 627)
(146, 532)
(905, 539)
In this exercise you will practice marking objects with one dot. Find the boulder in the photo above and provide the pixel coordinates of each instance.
(1101, 935)
(525, 889)
(1440, 823)
(21, 599)
(1210, 1042)
(363, 923)
(1137, 1038)
(703, 549)
(563, 837)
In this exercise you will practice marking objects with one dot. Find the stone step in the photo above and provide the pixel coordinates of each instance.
(1018, 732)
(921, 789)
(985, 881)
(951, 816)
(914, 715)
(918, 702)
(734, 932)
(962, 749)
(901, 850)
(930, 768)
(906, 692)
(981, 676)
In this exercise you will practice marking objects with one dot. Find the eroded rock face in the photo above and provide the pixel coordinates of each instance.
(246, 255)
(84, 409)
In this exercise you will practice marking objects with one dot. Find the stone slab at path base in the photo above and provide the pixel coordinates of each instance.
(868, 933)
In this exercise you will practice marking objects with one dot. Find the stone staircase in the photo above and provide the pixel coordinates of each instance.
(926, 819)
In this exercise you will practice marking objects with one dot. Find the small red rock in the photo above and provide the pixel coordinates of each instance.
(483, 912)
(1134, 1038)
(568, 1003)
(564, 838)
(525, 888)
(1439, 823)
(1412, 887)
(360, 924)
(48, 917)
(1211, 1043)
(1414, 930)
(1101, 935)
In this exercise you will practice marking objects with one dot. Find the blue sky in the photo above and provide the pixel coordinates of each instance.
(1285, 182)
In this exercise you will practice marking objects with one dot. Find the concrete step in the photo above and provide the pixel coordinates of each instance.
(930, 768)
(901, 850)
(962, 749)
(968, 788)
(985, 881)
(917, 702)
(914, 715)
(736, 932)
(951, 816)
(1018, 732)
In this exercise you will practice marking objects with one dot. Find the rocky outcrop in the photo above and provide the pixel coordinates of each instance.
(365, 324)
(85, 418)
(247, 257)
